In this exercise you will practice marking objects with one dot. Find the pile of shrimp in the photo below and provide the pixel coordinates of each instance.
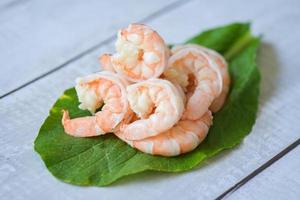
(158, 100)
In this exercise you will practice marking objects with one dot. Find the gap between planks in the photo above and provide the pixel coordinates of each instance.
(267, 164)
(106, 41)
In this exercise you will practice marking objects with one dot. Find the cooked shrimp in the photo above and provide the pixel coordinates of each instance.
(141, 53)
(105, 61)
(200, 77)
(92, 91)
(158, 104)
(185, 136)
(223, 67)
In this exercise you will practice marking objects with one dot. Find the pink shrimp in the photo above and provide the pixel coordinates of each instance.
(185, 136)
(92, 91)
(158, 104)
(105, 61)
(223, 67)
(141, 54)
(200, 77)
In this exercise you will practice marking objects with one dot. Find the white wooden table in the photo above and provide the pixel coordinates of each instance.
(44, 45)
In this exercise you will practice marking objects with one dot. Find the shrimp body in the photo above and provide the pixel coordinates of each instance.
(185, 136)
(92, 91)
(157, 103)
(200, 77)
(223, 68)
(141, 53)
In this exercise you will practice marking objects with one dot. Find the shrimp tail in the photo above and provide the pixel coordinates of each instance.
(106, 64)
(81, 127)
(66, 117)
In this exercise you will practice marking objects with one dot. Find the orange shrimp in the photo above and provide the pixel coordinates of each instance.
(185, 136)
(141, 54)
(199, 76)
(92, 91)
(222, 66)
(105, 61)
(158, 104)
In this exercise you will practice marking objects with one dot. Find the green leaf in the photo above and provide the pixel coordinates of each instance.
(104, 159)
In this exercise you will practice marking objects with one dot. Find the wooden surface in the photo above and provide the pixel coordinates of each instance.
(45, 45)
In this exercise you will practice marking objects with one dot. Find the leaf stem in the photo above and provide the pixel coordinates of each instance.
(238, 45)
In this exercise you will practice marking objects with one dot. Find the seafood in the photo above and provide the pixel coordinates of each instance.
(198, 74)
(92, 91)
(141, 54)
(185, 136)
(105, 61)
(223, 67)
(157, 103)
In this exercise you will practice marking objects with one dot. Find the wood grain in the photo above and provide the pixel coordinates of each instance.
(23, 175)
(259, 170)
(37, 36)
(280, 181)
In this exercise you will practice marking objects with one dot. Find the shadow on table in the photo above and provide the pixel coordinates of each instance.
(144, 177)
(269, 68)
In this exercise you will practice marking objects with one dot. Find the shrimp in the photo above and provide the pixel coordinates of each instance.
(92, 91)
(141, 54)
(105, 61)
(223, 67)
(157, 103)
(200, 77)
(185, 136)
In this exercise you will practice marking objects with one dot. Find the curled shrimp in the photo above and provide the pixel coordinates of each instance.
(92, 91)
(141, 54)
(199, 75)
(222, 66)
(185, 136)
(157, 103)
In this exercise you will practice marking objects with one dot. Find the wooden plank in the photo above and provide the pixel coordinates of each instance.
(9, 4)
(23, 112)
(259, 170)
(280, 181)
(36, 36)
